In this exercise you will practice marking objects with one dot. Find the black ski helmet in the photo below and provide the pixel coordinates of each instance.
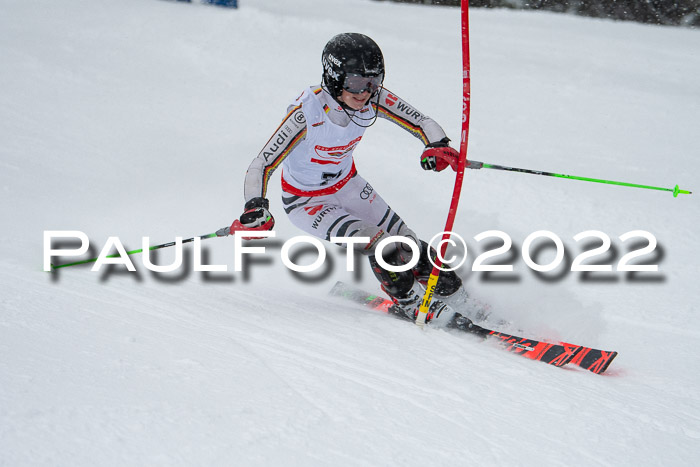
(350, 53)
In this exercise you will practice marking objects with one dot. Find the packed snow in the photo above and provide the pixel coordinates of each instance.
(138, 118)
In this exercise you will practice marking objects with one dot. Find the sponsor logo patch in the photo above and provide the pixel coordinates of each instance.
(328, 66)
(313, 210)
(299, 117)
(335, 154)
(366, 191)
(374, 240)
(321, 215)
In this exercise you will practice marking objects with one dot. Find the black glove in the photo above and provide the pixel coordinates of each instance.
(256, 213)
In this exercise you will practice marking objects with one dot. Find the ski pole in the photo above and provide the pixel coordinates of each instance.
(478, 165)
(466, 106)
(222, 232)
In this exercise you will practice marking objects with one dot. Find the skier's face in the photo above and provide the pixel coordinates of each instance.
(354, 101)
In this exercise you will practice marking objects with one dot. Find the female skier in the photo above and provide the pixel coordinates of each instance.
(324, 195)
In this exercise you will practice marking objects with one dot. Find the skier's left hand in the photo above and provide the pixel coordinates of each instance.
(437, 156)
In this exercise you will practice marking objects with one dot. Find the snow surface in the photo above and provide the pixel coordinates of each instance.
(137, 118)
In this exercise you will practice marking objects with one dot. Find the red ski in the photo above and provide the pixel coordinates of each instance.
(557, 354)
(594, 360)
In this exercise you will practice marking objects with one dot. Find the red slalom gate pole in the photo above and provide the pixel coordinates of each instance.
(461, 166)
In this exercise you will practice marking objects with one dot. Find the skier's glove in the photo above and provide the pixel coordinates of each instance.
(437, 156)
(256, 214)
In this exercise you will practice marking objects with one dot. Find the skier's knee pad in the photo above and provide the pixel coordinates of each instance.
(374, 234)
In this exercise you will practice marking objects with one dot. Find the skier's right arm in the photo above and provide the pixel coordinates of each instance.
(280, 145)
(437, 154)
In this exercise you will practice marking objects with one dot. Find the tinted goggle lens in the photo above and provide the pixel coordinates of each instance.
(358, 83)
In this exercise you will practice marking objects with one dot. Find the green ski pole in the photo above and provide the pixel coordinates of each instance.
(224, 231)
(478, 165)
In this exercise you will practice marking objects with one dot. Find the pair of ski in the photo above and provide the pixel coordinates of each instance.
(557, 354)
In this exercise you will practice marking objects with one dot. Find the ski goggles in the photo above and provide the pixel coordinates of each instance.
(357, 84)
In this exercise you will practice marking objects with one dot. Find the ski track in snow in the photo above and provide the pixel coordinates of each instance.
(139, 118)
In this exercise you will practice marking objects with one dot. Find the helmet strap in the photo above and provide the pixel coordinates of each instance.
(357, 119)
(354, 118)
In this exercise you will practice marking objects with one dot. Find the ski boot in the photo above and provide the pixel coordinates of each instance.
(467, 306)
(439, 313)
